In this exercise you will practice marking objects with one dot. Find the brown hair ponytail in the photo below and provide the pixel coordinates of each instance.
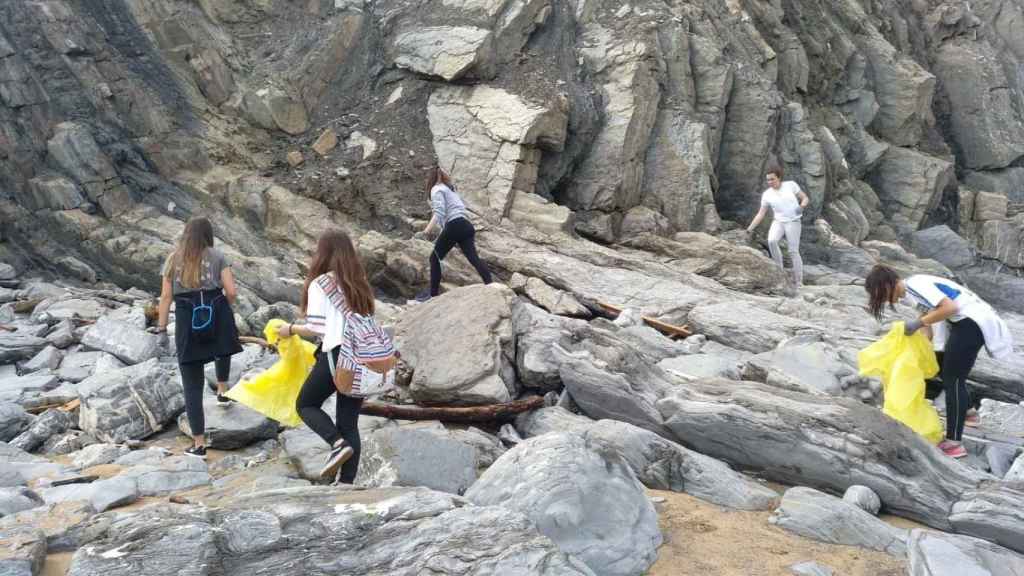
(880, 285)
(336, 253)
(188, 257)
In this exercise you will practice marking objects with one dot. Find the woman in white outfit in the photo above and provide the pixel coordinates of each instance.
(787, 202)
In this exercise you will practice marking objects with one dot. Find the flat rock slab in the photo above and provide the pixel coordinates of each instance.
(1002, 418)
(940, 554)
(483, 372)
(18, 346)
(98, 454)
(585, 498)
(13, 420)
(22, 389)
(818, 516)
(22, 551)
(232, 426)
(131, 344)
(408, 456)
(19, 468)
(396, 531)
(306, 450)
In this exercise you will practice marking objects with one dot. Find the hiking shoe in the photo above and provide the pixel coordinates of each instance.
(197, 451)
(338, 456)
(952, 449)
(223, 401)
(423, 296)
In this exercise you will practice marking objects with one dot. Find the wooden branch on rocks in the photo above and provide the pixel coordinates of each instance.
(461, 414)
(665, 328)
(6, 328)
(254, 340)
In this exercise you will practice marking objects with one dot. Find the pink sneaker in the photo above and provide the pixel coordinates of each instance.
(952, 449)
(972, 420)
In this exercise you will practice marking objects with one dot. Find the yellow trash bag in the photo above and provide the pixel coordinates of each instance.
(903, 362)
(273, 392)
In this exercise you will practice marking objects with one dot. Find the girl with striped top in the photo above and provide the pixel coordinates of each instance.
(338, 306)
(958, 322)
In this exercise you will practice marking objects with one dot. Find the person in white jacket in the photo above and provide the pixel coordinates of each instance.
(787, 202)
(958, 322)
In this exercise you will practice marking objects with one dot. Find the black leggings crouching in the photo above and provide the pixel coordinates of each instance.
(461, 232)
(193, 380)
(318, 387)
(961, 351)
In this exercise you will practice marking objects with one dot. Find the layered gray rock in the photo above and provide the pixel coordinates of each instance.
(18, 346)
(746, 327)
(944, 245)
(1002, 418)
(130, 344)
(16, 499)
(910, 184)
(584, 498)
(130, 403)
(114, 492)
(13, 421)
(47, 359)
(19, 468)
(407, 456)
(98, 454)
(825, 518)
(232, 426)
(991, 511)
(49, 423)
(401, 532)
(484, 370)
(22, 551)
(938, 554)
(273, 109)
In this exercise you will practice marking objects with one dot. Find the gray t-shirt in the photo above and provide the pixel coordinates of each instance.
(446, 204)
(214, 262)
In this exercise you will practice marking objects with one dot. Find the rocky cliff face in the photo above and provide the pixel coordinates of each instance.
(608, 119)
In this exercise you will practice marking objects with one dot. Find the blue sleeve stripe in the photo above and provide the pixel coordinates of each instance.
(948, 290)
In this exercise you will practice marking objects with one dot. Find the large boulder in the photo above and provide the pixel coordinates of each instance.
(130, 403)
(271, 108)
(910, 184)
(942, 244)
(503, 132)
(938, 554)
(129, 343)
(585, 498)
(402, 532)
(448, 52)
(825, 518)
(1003, 240)
(984, 122)
(409, 456)
(658, 463)
(232, 426)
(483, 370)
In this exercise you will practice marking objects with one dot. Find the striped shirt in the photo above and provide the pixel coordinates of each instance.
(359, 337)
(446, 204)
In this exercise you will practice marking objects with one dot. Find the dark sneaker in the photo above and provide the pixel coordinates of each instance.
(197, 451)
(338, 456)
(223, 401)
(423, 296)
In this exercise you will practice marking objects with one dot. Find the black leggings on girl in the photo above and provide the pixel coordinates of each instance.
(459, 231)
(193, 380)
(318, 387)
(962, 347)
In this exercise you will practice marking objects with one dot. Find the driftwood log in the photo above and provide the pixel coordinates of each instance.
(664, 327)
(459, 414)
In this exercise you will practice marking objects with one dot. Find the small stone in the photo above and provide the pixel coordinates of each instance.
(7, 272)
(864, 498)
(810, 569)
(295, 158)
(326, 142)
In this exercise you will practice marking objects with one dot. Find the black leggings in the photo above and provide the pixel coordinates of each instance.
(961, 351)
(317, 388)
(459, 231)
(193, 381)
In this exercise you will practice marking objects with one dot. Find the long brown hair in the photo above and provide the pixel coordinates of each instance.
(436, 176)
(188, 257)
(335, 253)
(880, 286)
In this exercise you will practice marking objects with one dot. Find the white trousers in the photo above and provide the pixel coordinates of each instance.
(792, 232)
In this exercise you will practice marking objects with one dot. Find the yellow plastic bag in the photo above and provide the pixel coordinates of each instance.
(903, 362)
(273, 392)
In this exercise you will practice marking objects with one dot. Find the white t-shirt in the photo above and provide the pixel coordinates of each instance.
(785, 202)
(924, 292)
